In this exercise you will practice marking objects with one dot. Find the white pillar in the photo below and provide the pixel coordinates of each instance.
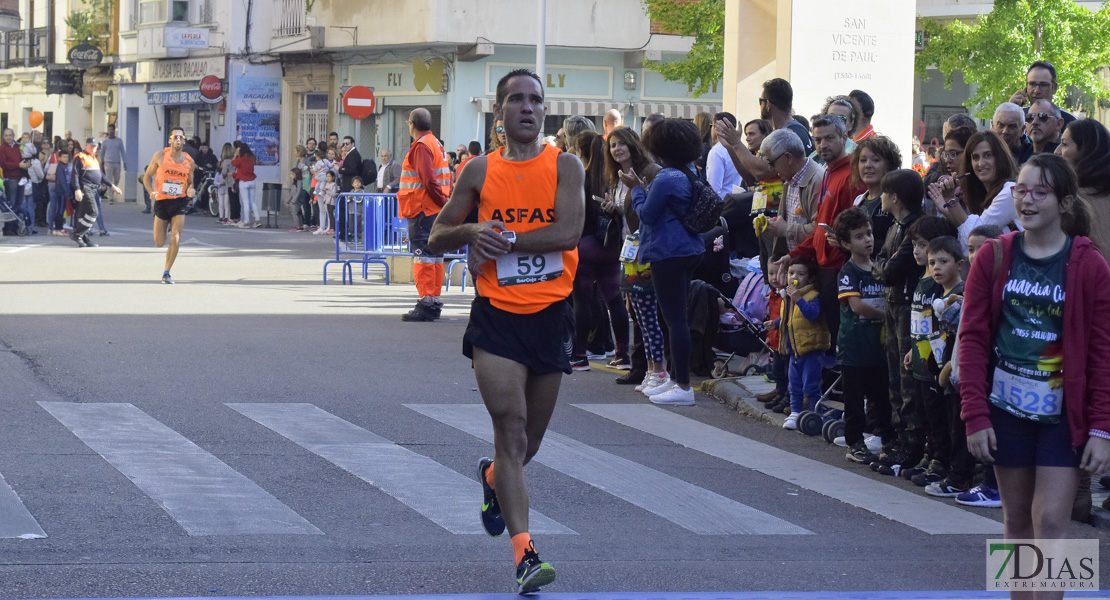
(541, 40)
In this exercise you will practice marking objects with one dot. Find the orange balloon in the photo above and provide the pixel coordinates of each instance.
(35, 119)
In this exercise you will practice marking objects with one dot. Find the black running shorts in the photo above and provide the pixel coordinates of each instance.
(1025, 443)
(541, 341)
(171, 207)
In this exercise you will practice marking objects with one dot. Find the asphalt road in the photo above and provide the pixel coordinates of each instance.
(252, 432)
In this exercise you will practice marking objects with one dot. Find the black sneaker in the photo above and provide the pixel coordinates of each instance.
(580, 364)
(917, 469)
(80, 240)
(934, 474)
(420, 313)
(859, 453)
(633, 377)
(492, 520)
(167, 279)
(532, 573)
(621, 363)
(889, 463)
(782, 407)
(89, 242)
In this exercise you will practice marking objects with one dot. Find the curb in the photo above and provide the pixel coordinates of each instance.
(732, 393)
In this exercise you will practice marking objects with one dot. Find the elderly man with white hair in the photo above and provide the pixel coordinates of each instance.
(613, 119)
(1009, 124)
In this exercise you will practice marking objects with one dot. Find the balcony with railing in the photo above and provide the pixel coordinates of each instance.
(17, 52)
(289, 18)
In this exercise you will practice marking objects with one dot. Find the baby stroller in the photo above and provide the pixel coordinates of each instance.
(8, 215)
(741, 331)
(826, 417)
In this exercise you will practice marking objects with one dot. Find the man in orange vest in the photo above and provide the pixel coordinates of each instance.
(523, 251)
(425, 188)
(87, 176)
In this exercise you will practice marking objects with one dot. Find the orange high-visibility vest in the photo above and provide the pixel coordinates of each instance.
(412, 198)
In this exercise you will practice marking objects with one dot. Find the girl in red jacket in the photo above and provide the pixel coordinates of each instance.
(1034, 341)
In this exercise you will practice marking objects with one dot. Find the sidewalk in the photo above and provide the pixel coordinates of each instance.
(738, 393)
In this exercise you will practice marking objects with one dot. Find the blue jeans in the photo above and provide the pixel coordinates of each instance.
(99, 216)
(805, 380)
(14, 194)
(56, 210)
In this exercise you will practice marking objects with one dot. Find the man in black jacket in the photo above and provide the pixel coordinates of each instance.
(351, 168)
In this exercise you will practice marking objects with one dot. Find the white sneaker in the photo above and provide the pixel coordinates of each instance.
(649, 381)
(874, 444)
(675, 396)
(791, 422)
(839, 441)
(663, 386)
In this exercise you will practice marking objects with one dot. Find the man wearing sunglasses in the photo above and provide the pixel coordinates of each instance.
(1043, 125)
(168, 180)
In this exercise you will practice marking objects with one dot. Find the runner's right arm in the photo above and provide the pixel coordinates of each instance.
(151, 171)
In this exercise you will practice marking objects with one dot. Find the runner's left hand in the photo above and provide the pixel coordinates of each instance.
(189, 192)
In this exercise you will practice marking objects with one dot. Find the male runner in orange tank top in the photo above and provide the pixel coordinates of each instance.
(520, 328)
(171, 171)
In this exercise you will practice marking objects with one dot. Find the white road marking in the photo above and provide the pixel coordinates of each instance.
(444, 496)
(200, 492)
(15, 520)
(915, 510)
(684, 504)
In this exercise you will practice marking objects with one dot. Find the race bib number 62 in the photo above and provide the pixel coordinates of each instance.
(518, 268)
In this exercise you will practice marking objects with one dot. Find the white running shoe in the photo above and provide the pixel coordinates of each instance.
(840, 441)
(649, 381)
(675, 396)
(874, 443)
(663, 386)
(791, 422)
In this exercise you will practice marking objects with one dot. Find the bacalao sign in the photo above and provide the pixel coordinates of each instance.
(186, 69)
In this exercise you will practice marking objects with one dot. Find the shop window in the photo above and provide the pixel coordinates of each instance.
(48, 125)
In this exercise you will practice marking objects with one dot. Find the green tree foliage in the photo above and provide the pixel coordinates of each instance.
(704, 20)
(994, 52)
(92, 24)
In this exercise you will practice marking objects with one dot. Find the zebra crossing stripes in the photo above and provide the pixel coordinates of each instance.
(442, 495)
(915, 510)
(15, 520)
(200, 492)
(693, 508)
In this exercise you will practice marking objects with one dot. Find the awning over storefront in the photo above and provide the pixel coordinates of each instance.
(676, 111)
(564, 107)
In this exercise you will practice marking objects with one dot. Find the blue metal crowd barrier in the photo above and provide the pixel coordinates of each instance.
(372, 234)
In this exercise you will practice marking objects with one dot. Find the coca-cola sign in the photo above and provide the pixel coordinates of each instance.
(85, 56)
(211, 89)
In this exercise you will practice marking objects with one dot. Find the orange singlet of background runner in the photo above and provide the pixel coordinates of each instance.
(522, 196)
(173, 173)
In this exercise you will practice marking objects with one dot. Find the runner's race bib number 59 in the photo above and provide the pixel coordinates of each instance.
(172, 189)
(518, 268)
(1030, 397)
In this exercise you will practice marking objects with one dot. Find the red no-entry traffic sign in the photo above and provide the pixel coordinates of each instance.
(358, 102)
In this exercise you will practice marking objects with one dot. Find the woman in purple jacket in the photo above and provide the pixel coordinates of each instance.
(1034, 341)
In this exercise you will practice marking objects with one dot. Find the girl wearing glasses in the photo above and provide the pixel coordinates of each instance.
(1033, 342)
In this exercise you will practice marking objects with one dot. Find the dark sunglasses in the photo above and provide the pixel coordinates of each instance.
(1044, 117)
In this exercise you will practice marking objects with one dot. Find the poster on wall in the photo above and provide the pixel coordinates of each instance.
(258, 117)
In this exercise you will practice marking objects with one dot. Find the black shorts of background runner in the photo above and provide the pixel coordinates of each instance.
(171, 207)
(1025, 443)
(541, 341)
